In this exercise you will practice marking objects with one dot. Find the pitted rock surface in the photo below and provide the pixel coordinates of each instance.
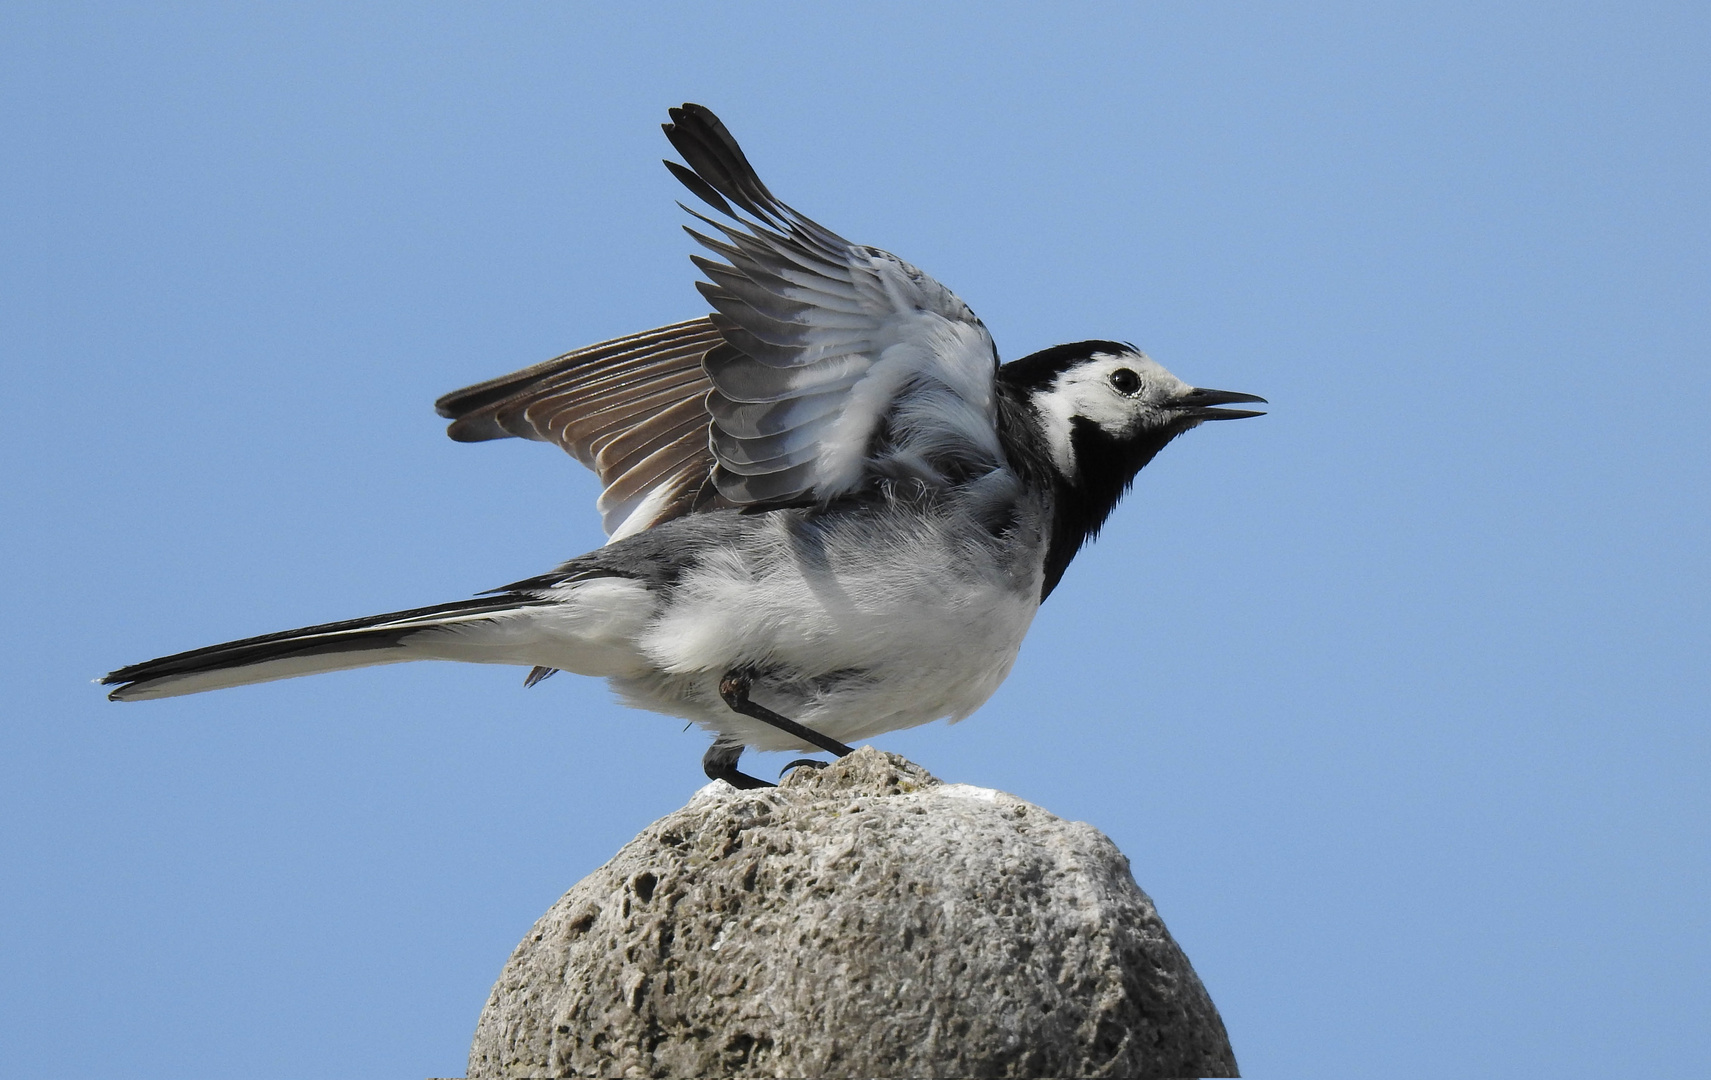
(862, 920)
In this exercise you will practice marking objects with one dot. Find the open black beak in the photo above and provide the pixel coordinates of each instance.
(1197, 404)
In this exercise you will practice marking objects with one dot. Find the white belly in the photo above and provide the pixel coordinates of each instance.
(849, 640)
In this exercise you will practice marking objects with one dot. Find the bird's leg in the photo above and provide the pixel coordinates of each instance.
(734, 688)
(720, 763)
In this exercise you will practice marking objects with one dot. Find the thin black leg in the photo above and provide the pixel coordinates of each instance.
(720, 763)
(734, 688)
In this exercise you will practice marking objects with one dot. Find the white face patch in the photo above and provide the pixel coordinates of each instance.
(1118, 392)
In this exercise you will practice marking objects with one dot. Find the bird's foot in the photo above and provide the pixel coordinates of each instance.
(803, 763)
(720, 763)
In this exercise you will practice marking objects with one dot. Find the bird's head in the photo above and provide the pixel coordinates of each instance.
(1101, 411)
(1102, 404)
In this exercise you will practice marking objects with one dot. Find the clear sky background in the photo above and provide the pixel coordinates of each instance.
(1396, 698)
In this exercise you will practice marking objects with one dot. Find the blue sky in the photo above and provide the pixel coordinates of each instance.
(1396, 698)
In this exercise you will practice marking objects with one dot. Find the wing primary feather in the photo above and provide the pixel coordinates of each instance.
(709, 149)
(591, 432)
(811, 288)
(649, 472)
(550, 411)
(688, 491)
(718, 247)
(766, 246)
(462, 402)
(497, 408)
(732, 174)
(700, 188)
(638, 441)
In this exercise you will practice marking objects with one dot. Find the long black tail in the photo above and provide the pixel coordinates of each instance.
(442, 632)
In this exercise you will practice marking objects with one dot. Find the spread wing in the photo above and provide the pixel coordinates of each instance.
(840, 363)
(633, 409)
(825, 367)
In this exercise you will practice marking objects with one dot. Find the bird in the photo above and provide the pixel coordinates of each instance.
(831, 511)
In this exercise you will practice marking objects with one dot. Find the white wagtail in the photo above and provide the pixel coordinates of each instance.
(833, 512)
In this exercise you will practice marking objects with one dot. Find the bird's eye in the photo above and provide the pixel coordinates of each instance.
(1125, 381)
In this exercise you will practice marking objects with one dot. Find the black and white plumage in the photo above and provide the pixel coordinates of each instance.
(829, 505)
